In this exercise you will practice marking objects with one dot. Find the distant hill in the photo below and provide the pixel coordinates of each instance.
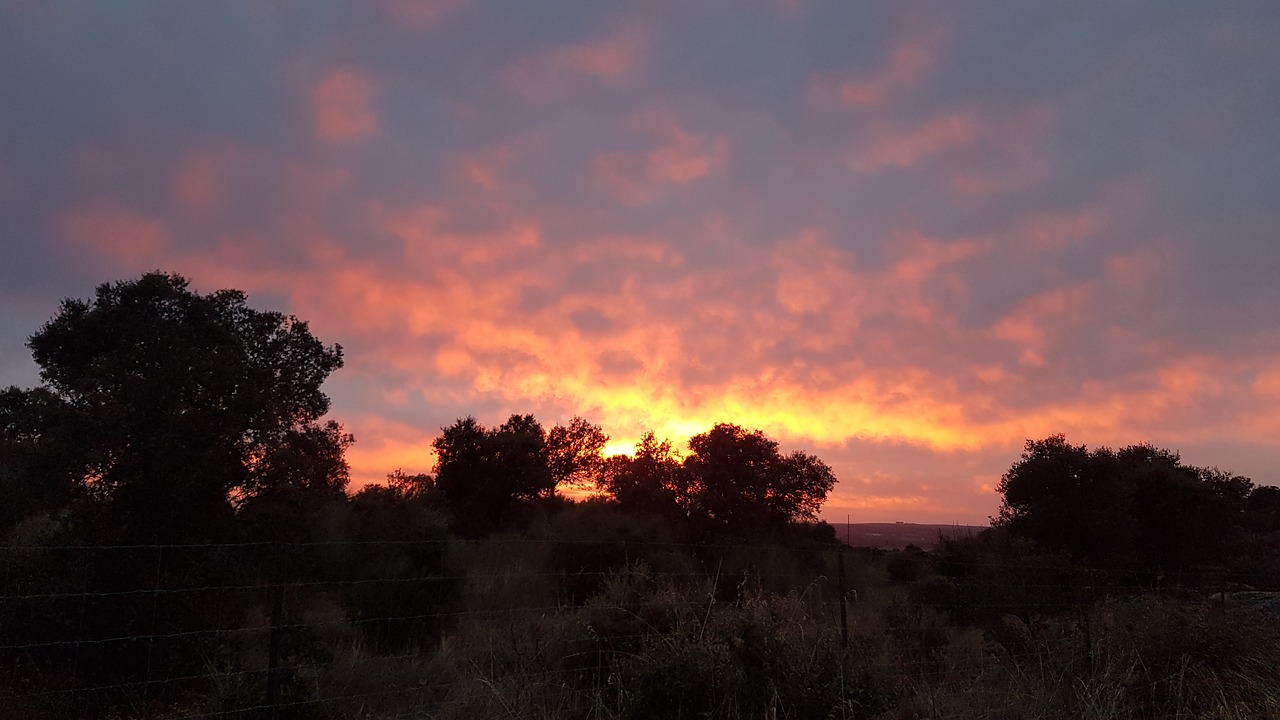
(895, 536)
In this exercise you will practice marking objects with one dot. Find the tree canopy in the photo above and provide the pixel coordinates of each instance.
(651, 481)
(483, 472)
(1136, 505)
(182, 401)
(740, 481)
(733, 480)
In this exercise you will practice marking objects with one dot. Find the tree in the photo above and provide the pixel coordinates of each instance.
(1066, 498)
(482, 473)
(1136, 506)
(40, 454)
(188, 400)
(419, 487)
(741, 483)
(651, 482)
(575, 452)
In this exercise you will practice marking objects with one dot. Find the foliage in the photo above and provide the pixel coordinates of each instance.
(741, 483)
(483, 473)
(575, 452)
(1136, 506)
(733, 481)
(185, 400)
(650, 482)
(40, 454)
(175, 514)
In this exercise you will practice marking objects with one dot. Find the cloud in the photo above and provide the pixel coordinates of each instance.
(675, 157)
(207, 179)
(612, 60)
(866, 232)
(887, 146)
(908, 62)
(126, 239)
(342, 106)
(420, 13)
(1028, 326)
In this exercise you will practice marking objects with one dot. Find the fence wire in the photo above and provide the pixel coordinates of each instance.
(510, 627)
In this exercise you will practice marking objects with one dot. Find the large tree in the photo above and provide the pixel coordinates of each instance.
(41, 459)
(1135, 506)
(186, 402)
(483, 472)
(652, 481)
(742, 483)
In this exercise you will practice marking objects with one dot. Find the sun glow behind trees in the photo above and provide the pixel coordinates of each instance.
(862, 229)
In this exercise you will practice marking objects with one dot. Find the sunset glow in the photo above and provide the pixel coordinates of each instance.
(902, 238)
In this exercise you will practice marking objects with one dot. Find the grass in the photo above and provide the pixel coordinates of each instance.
(548, 628)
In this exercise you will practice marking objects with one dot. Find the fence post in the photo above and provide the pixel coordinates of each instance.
(155, 604)
(844, 612)
(273, 652)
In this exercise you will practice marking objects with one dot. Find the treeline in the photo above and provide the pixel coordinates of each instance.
(1139, 507)
(172, 486)
(732, 481)
(176, 449)
(168, 416)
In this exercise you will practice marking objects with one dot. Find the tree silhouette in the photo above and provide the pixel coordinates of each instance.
(482, 473)
(1066, 498)
(575, 452)
(741, 483)
(41, 456)
(651, 482)
(1136, 506)
(187, 400)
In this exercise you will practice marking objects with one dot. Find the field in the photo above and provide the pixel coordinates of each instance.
(896, 536)
(590, 615)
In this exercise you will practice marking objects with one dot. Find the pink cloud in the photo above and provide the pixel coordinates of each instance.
(678, 157)
(627, 248)
(1028, 325)
(487, 169)
(789, 9)
(909, 61)
(419, 13)
(813, 276)
(132, 240)
(1013, 155)
(203, 178)
(199, 183)
(1145, 270)
(612, 60)
(496, 168)
(887, 146)
(446, 320)
(429, 243)
(384, 445)
(906, 65)
(342, 106)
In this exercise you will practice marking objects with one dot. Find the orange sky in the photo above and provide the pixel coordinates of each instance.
(904, 239)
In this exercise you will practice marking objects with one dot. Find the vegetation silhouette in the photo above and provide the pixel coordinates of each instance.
(1137, 507)
(177, 540)
(183, 402)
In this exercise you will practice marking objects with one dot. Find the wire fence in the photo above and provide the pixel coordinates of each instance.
(566, 628)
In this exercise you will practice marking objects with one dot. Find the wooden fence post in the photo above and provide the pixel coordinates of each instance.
(273, 652)
(844, 612)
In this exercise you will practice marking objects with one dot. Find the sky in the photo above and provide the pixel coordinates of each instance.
(905, 237)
